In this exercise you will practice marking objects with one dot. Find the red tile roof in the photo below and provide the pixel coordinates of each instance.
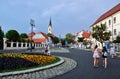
(108, 13)
(31, 34)
(37, 40)
(86, 34)
(44, 34)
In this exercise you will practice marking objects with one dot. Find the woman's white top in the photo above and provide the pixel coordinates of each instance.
(112, 50)
(96, 53)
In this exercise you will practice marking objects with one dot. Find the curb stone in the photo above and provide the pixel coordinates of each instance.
(62, 68)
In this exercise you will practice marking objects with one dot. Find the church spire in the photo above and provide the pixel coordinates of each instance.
(50, 27)
(50, 23)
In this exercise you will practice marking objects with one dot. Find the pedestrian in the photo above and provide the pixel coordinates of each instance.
(96, 55)
(47, 50)
(112, 52)
(104, 56)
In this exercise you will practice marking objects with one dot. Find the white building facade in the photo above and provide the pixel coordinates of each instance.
(112, 20)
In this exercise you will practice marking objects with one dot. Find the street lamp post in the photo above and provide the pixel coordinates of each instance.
(32, 23)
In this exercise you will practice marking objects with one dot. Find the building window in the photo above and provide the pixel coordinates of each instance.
(110, 32)
(119, 33)
(109, 22)
(115, 33)
(114, 19)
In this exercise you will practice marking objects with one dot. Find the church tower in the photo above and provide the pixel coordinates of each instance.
(50, 27)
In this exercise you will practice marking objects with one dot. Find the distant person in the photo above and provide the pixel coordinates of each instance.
(48, 53)
(104, 56)
(112, 52)
(96, 56)
(47, 50)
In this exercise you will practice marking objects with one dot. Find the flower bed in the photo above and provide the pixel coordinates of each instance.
(13, 61)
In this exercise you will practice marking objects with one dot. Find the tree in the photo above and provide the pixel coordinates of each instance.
(1, 38)
(85, 42)
(63, 41)
(23, 37)
(49, 35)
(12, 35)
(80, 39)
(100, 33)
(70, 38)
(117, 39)
(55, 40)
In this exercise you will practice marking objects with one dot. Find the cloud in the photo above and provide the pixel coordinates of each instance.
(63, 7)
(53, 10)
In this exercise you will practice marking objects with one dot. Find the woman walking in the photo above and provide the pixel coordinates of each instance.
(104, 56)
(112, 52)
(47, 50)
(96, 56)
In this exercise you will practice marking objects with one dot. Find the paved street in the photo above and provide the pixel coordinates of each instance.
(85, 70)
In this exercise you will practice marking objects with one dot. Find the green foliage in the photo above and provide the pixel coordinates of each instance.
(1, 34)
(55, 40)
(23, 37)
(70, 38)
(63, 41)
(85, 42)
(12, 35)
(100, 33)
(49, 35)
(117, 39)
(80, 39)
(1, 38)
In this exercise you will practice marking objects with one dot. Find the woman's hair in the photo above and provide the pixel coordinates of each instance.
(95, 47)
(104, 49)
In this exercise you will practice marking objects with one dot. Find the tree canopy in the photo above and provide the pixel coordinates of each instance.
(100, 33)
(22, 37)
(117, 39)
(1, 34)
(12, 35)
(80, 39)
(69, 38)
(1, 38)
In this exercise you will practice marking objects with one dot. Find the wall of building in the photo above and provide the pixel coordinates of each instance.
(20, 45)
(111, 25)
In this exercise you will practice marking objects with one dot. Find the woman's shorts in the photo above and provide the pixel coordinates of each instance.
(96, 56)
(104, 56)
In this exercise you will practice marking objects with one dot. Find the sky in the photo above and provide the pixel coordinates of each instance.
(67, 16)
